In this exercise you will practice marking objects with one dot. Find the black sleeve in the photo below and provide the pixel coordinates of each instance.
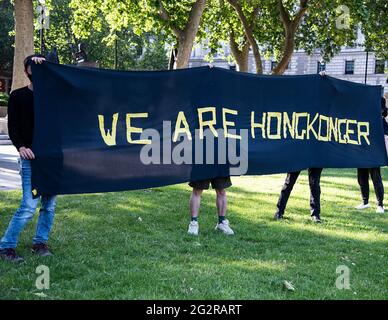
(14, 125)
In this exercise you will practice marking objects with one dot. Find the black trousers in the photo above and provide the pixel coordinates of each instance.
(363, 181)
(315, 190)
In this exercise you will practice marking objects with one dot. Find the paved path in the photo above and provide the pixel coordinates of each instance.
(9, 168)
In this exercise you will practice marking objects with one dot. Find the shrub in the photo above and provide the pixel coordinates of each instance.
(3, 99)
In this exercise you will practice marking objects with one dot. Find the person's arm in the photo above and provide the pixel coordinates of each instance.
(15, 127)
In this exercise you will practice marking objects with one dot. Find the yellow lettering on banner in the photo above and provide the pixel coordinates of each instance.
(278, 116)
(363, 134)
(340, 139)
(287, 124)
(229, 123)
(109, 136)
(208, 123)
(350, 131)
(327, 137)
(257, 125)
(181, 119)
(310, 126)
(333, 129)
(297, 116)
(131, 129)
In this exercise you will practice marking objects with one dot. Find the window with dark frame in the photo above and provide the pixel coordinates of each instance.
(349, 67)
(273, 65)
(321, 66)
(379, 66)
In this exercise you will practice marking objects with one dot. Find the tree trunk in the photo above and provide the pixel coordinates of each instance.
(185, 46)
(290, 27)
(248, 30)
(24, 40)
(288, 50)
(187, 36)
(241, 56)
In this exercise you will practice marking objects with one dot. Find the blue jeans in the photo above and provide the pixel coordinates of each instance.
(25, 212)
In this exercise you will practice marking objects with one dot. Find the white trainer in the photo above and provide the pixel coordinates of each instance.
(224, 227)
(193, 228)
(380, 209)
(363, 206)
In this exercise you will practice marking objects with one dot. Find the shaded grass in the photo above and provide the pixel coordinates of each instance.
(133, 245)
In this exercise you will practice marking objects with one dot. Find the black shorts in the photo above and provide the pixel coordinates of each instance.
(217, 183)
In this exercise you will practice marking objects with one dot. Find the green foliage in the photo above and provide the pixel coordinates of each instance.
(374, 15)
(4, 97)
(6, 35)
(318, 30)
(74, 22)
(104, 24)
(154, 57)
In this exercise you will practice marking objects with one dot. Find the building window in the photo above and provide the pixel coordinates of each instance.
(321, 66)
(232, 67)
(379, 66)
(273, 65)
(349, 67)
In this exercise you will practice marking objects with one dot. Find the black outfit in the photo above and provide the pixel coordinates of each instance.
(217, 183)
(375, 174)
(315, 191)
(363, 181)
(21, 117)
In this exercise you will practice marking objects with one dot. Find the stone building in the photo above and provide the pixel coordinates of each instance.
(349, 64)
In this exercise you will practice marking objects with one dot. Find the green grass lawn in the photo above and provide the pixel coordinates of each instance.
(133, 245)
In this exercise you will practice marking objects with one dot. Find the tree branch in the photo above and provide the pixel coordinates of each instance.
(186, 37)
(301, 12)
(195, 15)
(163, 14)
(284, 15)
(290, 27)
(248, 29)
(240, 55)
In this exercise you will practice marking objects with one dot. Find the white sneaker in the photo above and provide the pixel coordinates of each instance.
(363, 206)
(193, 228)
(224, 227)
(380, 209)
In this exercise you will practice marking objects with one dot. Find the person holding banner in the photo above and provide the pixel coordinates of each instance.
(20, 127)
(219, 184)
(385, 123)
(315, 193)
(375, 174)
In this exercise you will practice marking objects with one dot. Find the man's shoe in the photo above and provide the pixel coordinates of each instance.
(278, 216)
(224, 227)
(316, 218)
(41, 249)
(10, 255)
(380, 209)
(193, 228)
(363, 206)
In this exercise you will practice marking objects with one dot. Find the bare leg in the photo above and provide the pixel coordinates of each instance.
(195, 202)
(221, 202)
